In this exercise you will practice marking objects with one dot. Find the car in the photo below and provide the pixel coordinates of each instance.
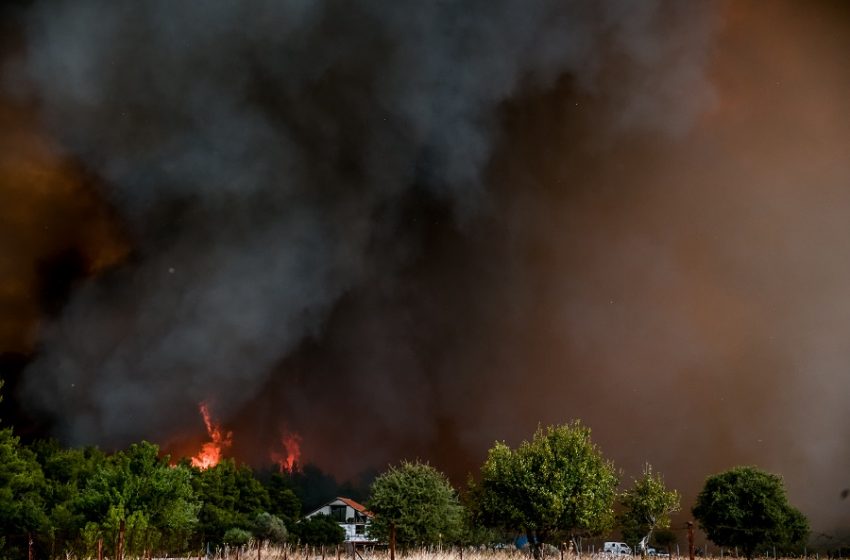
(612, 547)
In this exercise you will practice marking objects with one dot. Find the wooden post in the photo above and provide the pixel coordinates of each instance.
(392, 541)
(119, 552)
(100, 548)
(29, 546)
(259, 549)
(237, 552)
(691, 540)
(323, 552)
(337, 552)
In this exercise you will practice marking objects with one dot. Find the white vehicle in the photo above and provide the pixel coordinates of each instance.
(611, 547)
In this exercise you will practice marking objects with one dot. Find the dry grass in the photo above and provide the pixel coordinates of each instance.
(330, 553)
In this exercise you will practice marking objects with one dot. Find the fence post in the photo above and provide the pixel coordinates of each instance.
(100, 548)
(691, 540)
(392, 541)
(119, 554)
(29, 546)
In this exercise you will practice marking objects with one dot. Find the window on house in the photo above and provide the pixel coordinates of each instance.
(360, 529)
(338, 513)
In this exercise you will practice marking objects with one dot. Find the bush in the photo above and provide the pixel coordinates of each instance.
(318, 530)
(270, 528)
(236, 536)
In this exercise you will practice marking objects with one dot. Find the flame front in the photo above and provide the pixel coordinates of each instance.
(212, 451)
(290, 458)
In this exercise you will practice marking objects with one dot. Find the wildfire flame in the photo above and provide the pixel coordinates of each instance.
(290, 458)
(211, 452)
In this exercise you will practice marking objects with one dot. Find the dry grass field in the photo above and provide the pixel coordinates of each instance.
(292, 553)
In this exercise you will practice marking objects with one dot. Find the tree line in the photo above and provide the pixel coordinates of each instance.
(555, 488)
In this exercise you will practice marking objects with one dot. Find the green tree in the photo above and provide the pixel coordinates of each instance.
(747, 508)
(646, 507)
(236, 536)
(22, 495)
(556, 485)
(269, 528)
(155, 502)
(318, 530)
(313, 486)
(665, 539)
(282, 500)
(66, 473)
(231, 497)
(419, 502)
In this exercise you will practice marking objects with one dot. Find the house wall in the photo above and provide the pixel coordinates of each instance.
(351, 534)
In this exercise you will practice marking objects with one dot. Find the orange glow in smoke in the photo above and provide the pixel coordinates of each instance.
(290, 458)
(211, 452)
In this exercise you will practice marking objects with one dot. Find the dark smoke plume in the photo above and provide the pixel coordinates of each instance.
(262, 155)
(410, 228)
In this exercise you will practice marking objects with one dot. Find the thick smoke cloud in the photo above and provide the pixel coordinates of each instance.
(410, 228)
(265, 157)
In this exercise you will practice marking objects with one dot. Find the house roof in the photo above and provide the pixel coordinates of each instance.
(359, 507)
(347, 501)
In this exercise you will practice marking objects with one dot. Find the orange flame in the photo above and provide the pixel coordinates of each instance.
(289, 459)
(211, 452)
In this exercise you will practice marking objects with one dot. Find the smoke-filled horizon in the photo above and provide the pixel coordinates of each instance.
(414, 228)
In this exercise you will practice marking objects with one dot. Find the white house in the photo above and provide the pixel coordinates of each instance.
(350, 515)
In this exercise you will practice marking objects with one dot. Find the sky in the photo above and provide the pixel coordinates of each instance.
(412, 230)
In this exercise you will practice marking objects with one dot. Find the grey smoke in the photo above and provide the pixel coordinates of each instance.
(261, 154)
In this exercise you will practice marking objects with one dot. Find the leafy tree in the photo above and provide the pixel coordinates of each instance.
(318, 530)
(282, 500)
(155, 502)
(313, 486)
(269, 528)
(557, 484)
(665, 539)
(419, 502)
(231, 497)
(236, 536)
(22, 489)
(747, 508)
(66, 473)
(646, 507)
(475, 534)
